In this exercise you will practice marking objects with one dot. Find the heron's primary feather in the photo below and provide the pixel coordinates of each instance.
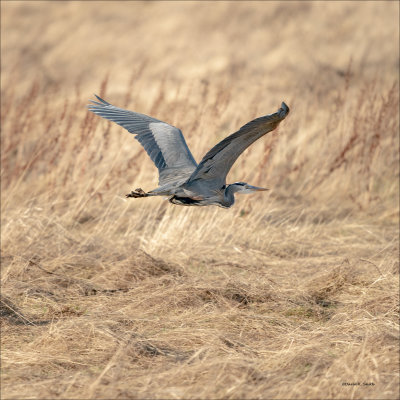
(164, 143)
(216, 164)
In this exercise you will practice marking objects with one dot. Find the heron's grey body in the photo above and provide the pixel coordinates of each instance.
(180, 178)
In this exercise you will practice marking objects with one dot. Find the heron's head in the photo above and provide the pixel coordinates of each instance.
(243, 187)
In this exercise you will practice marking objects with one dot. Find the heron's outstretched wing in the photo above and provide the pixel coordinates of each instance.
(164, 143)
(216, 164)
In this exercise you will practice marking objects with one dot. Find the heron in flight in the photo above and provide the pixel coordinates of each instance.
(180, 178)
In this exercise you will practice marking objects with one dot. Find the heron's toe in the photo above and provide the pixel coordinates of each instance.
(137, 193)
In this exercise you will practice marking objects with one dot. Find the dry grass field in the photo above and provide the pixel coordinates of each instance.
(289, 294)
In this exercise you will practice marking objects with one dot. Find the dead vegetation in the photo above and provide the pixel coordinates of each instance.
(290, 294)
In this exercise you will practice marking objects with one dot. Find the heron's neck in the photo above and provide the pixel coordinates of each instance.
(229, 197)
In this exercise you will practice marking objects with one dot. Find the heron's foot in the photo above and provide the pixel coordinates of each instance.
(137, 193)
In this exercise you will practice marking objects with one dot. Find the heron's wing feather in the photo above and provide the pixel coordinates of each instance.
(216, 164)
(164, 143)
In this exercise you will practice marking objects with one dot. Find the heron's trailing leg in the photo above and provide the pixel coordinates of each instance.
(137, 193)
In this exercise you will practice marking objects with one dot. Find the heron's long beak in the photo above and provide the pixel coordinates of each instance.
(251, 188)
(259, 189)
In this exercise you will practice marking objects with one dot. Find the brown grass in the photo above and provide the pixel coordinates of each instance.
(290, 294)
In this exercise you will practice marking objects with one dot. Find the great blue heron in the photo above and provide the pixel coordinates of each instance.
(180, 178)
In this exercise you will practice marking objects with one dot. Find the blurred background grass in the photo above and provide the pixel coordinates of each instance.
(328, 61)
(274, 45)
